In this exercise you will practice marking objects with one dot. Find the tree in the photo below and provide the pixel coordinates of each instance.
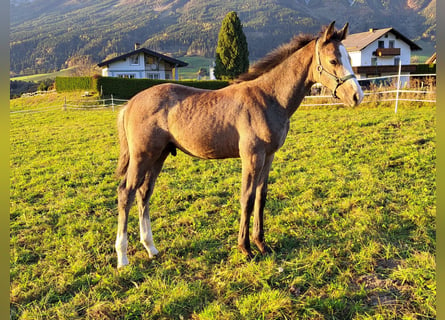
(232, 53)
(82, 66)
(45, 84)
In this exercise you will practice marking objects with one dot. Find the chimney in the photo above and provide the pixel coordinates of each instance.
(137, 45)
(371, 29)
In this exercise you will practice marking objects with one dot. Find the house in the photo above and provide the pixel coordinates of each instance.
(432, 59)
(142, 63)
(378, 52)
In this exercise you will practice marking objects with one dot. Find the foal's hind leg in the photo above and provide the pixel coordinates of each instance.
(121, 237)
(125, 200)
(143, 196)
(126, 193)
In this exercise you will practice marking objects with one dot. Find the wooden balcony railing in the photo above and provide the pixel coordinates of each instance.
(382, 52)
(384, 69)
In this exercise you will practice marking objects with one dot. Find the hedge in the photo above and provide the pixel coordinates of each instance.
(425, 68)
(127, 88)
(75, 83)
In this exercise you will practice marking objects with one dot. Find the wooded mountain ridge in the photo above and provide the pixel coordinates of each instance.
(45, 35)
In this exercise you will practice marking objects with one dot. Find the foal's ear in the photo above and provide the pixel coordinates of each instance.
(328, 32)
(344, 31)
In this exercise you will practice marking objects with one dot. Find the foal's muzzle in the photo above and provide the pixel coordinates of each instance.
(340, 81)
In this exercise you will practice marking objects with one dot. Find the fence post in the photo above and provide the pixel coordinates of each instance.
(398, 85)
(112, 102)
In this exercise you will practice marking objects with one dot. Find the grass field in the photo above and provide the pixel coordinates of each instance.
(195, 63)
(350, 218)
(43, 76)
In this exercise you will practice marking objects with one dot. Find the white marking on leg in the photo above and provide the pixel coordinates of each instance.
(121, 249)
(147, 235)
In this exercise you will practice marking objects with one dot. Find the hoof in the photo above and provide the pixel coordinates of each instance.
(263, 247)
(152, 252)
(122, 263)
(246, 251)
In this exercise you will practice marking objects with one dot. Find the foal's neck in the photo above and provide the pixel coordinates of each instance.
(290, 81)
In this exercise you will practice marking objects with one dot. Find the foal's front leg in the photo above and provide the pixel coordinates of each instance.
(252, 166)
(260, 202)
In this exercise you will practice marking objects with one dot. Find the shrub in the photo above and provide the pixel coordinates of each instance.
(75, 83)
(18, 87)
(127, 88)
(45, 85)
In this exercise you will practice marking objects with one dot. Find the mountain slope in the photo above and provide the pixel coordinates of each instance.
(45, 34)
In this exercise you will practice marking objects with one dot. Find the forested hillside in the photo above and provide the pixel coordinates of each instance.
(46, 34)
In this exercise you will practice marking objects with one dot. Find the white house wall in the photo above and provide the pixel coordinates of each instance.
(138, 71)
(364, 57)
(356, 58)
(405, 52)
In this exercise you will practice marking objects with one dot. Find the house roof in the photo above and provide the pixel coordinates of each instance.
(170, 60)
(359, 41)
(431, 59)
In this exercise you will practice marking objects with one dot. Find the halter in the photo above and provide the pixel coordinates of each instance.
(338, 80)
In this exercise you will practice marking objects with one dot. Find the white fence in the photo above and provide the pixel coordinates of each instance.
(83, 104)
(426, 95)
(384, 95)
(37, 93)
(378, 93)
(111, 103)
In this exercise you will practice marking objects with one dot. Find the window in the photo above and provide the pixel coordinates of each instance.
(391, 43)
(396, 61)
(149, 59)
(373, 61)
(126, 76)
(153, 76)
(134, 60)
(381, 44)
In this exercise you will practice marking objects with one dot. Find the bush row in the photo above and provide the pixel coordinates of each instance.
(64, 84)
(425, 68)
(125, 88)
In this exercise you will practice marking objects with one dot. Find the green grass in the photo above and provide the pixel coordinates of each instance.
(43, 76)
(350, 217)
(195, 63)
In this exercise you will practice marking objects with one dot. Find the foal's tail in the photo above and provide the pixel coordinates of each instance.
(124, 156)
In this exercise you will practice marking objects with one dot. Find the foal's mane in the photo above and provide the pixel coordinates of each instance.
(277, 56)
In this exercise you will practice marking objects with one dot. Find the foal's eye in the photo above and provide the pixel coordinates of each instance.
(333, 62)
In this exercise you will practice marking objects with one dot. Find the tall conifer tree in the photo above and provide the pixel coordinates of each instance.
(232, 53)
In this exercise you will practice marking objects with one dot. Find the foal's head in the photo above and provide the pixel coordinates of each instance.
(332, 66)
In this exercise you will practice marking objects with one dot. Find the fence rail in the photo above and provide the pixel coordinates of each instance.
(415, 94)
(94, 104)
(84, 104)
(37, 93)
(426, 96)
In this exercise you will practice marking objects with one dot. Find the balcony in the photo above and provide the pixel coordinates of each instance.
(377, 70)
(387, 52)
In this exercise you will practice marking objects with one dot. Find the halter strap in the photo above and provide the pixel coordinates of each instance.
(321, 69)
